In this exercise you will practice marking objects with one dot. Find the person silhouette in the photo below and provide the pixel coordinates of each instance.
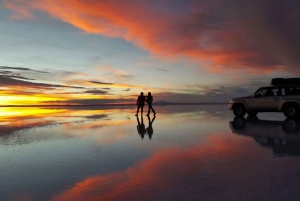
(140, 102)
(149, 101)
(149, 130)
(141, 127)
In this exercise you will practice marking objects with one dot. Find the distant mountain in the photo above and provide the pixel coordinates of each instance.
(162, 102)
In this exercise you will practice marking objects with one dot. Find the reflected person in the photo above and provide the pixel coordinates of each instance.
(140, 103)
(149, 130)
(141, 127)
(149, 101)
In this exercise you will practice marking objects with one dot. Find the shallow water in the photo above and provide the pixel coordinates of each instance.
(186, 153)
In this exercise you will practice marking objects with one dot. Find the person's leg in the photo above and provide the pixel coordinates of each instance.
(142, 107)
(137, 111)
(152, 109)
(149, 105)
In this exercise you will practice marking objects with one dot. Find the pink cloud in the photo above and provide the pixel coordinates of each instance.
(226, 36)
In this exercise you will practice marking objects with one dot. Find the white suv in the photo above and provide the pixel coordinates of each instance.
(284, 99)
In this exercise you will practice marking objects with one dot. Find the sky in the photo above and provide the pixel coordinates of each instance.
(108, 51)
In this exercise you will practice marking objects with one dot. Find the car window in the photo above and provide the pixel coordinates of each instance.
(276, 92)
(293, 91)
(260, 92)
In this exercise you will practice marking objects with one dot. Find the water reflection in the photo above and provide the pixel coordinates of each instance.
(142, 131)
(149, 129)
(283, 137)
(94, 153)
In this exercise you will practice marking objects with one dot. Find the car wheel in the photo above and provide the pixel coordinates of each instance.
(239, 110)
(252, 113)
(290, 125)
(291, 111)
(239, 123)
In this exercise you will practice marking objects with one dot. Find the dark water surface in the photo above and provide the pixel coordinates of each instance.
(186, 153)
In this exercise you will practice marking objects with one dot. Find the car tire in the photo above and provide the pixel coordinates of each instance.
(252, 113)
(239, 110)
(291, 125)
(239, 123)
(291, 111)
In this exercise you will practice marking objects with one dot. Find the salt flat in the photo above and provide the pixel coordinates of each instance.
(184, 153)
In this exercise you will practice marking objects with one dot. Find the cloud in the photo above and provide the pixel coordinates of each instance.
(97, 116)
(96, 92)
(113, 72)
(211, 171)
(21, 69)
(160, 69)
(101, 83)
(7, 81)
(90, 101)
(258, 34)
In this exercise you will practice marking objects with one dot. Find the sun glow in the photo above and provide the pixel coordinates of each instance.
(27, 99)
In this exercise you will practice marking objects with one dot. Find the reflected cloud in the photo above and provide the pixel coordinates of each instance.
(204, 172)
(283, 137)
(15, 121)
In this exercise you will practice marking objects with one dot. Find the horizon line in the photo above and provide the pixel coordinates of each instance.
(117, 104)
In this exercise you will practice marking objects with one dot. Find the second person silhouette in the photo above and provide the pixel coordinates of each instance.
(149, 101)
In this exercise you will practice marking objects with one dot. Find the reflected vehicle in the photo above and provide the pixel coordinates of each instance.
(283, 137)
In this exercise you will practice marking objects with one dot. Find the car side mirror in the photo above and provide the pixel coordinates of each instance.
(256, 96)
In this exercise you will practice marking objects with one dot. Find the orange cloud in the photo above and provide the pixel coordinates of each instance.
(186, 31)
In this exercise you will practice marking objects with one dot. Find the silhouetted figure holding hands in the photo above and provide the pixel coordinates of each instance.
(149, 101)
(140, 102)
(149, 130)
(141, 127)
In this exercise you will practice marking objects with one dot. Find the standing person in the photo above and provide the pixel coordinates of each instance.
(140, 102)
(149, 101)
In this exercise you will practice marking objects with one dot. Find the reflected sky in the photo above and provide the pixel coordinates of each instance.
(185, 153)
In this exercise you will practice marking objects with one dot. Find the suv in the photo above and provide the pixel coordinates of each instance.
(284, 99)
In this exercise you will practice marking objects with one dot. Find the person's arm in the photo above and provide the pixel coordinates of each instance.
(137, 101)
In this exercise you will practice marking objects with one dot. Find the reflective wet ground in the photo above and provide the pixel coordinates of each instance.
(185, 153)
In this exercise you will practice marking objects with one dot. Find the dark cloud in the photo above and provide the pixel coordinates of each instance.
(97, 116)
(160, 69)
(21, 69)
(103, 83)
(127, 89)
(10, 81)
(96, 92)
(16, 76)
(258, 33)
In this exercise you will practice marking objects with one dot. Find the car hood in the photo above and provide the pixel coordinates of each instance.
(240, 98)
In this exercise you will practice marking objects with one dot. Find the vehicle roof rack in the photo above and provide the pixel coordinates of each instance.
(285, 81)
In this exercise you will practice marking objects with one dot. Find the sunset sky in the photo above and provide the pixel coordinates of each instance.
(108, 51)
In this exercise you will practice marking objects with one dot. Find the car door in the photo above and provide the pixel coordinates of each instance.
(259, 100)
(275, 98)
